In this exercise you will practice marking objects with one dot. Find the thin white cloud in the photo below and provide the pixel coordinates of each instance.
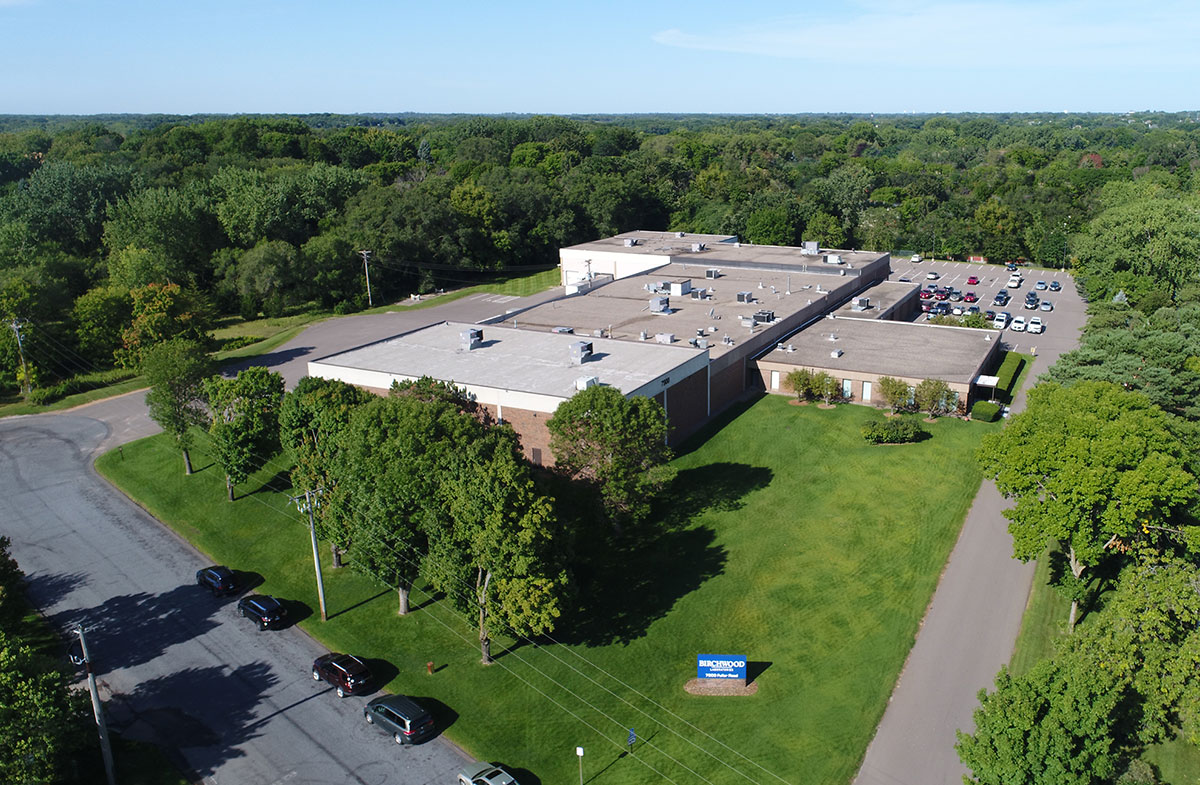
(966, 35)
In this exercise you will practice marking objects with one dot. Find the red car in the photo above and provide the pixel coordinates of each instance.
(942, 295)
(974, 279)
(970, 297)
(926, 294)
(347, 673)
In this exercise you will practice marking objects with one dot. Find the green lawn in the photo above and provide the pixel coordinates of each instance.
(788, 540)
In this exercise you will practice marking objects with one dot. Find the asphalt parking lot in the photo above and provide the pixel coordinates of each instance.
(1062, 325)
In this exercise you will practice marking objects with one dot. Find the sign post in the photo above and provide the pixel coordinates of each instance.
(630, 741)
(579, 752)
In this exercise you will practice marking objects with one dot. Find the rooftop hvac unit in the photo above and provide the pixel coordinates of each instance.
(808, 248)
(701, 343)
(861, 304)
(712, 274)
(745, 297)
(660, 305)
(697, 247)
(562, 330)
(584, 382)
(680, 234)
(471, 338)
(836, 353)
(630, 242)
(665, 337)
(680, 288)
(833, 259)
(580, 351)
(765, 316)
(697, 294)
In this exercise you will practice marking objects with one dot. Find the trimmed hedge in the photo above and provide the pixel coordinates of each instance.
(43, 396)
(985, 411)
(1009, 370)
(892, 432)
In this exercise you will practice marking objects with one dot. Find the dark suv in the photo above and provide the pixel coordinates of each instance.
(267, 612)
(400, 716)
(217, 579)
(348, 674)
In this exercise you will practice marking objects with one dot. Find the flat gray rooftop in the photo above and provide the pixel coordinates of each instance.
(530, 361)
(882, 296)
(624, 306)
(887, 348)
(720, 249)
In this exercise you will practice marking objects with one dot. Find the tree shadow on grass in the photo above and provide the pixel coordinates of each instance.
(634, 583)
(280, 482)
(714, 487)
(1096, 582)
(714, 426)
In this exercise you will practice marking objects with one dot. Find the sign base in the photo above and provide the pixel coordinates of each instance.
(724, 687)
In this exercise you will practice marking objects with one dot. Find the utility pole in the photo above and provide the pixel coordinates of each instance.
(98, 710)
(16, 325)
(310, 501)
(366, 255)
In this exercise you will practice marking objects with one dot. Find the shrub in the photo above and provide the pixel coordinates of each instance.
(43, 396)
(985, 411)
(892, 432)
(1009, 370)
(800, 381)
(239, 342)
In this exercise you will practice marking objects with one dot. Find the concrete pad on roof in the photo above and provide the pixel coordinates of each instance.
(716, 250)
(507, 359)
(887, 348)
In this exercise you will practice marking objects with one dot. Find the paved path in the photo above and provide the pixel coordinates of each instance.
(972, 622)
(177, 667)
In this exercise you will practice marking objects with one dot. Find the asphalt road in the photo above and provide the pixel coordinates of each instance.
(973, 619)
(175, 666)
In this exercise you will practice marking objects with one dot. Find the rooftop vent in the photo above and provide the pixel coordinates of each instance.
(833, 336)
(580, 352)
(660, 305)
(680, 234)
(665, 337)
(562, 330)
(808, 248)
(836, 353)
(712, 273)
(643, 335)
(697, 247)
(630, 242)
(470, 338)
(584, 382)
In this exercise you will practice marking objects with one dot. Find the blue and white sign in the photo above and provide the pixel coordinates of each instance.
(721, 666)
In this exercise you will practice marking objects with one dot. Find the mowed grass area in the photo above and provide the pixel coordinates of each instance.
(787, 539)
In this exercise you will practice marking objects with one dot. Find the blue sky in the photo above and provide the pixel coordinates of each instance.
(744, 56)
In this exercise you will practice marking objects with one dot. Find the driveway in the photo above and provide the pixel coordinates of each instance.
(972, 622)
(175, 666)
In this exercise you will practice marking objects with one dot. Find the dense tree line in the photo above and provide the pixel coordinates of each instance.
(250, 215)
(1102, 466)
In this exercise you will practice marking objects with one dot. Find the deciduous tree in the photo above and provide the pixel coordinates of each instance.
(244, 421)
(933, 396)
(176, 371)
(896, 393)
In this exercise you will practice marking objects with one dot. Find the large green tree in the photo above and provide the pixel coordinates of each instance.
(1089, 467)
(615, 443)
(243, 421)
(176, 371)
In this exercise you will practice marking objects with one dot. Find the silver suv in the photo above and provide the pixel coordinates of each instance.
(400, 716)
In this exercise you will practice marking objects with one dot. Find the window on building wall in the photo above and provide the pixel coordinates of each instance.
(535, 455)
(866, 392)
(774, 380)
(847, 389)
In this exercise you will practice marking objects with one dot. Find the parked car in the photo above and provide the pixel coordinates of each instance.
(1055, 286)
(1031, 303)
(1018, 325)
(1000, 300)
(927, 306)
(941, 295)
(970, 297)
(265, 611)
(217, 579)
(989, 315)
(925, 294)
(972, 309)
(972, 280)
(1000, 321)
(484, 774)
(1035, 325)
(1040, 285)
(1010, 266)
(957, 310)
(348, 674)
(915, 257)
(400, 716)
(932, 276)
(1046, 306)
(1014, 282)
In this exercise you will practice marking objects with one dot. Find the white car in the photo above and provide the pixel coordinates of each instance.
(1035, 325)
(1018, 324)
(1014, 282)
(1001, 321)
(916, 257)
(931, 276)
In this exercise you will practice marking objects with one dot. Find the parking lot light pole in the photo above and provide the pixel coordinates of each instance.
(98, 710)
